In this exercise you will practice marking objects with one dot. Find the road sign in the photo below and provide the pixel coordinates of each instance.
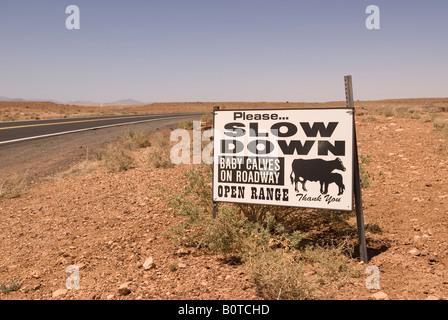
(286, 157)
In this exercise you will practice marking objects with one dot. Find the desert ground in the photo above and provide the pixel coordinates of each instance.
(114, 224)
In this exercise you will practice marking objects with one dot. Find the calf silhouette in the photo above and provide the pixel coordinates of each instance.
(304, 170)
(333, 177)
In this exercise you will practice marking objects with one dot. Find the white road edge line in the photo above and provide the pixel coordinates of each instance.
(83, 118)
(87, 129)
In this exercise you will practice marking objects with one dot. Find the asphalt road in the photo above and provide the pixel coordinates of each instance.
(26, 130)
(34, 158)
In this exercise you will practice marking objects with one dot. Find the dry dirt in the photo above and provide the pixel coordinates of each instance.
(108, 224)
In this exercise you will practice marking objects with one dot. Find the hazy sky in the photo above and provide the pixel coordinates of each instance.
(222, 50)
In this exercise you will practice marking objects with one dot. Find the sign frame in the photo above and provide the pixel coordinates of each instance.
(260, 110)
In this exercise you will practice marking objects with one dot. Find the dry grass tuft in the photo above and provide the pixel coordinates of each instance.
(12, 188)
(159, 152)
(117, 159)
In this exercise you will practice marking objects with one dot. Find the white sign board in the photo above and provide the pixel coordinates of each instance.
(288, 157)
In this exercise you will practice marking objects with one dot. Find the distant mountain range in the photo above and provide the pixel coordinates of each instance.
(121, 102)
(20, 99)
(126, 101)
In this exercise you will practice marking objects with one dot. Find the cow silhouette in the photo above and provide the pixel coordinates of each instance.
(304, 170)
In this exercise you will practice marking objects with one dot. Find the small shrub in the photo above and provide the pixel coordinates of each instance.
(227, 234)
(441, 125)
(401, 112)
(278, 277)
(207, 118)
(363, 175)
(12, 286)
(159, 159)
(435, 109)
(133, 140)
(159, 153)
(199, 183)
(373, 228)
(187, 125)
(296, 238)
(191, 231)
(430, 117)
(12, 188)
(387, 112)
(331, 265)
(366, 158)
(443, 148)
(172, 267)
(368, 118)
(116, 159)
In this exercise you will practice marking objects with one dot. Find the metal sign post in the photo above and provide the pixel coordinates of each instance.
(349, 92)
(357, 181)
(215, 204)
